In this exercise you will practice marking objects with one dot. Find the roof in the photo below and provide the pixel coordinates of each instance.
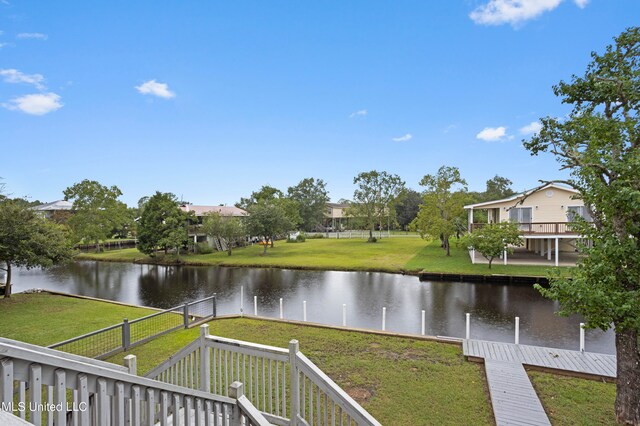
(522, 194)
(221, 210)
(56, 205)
(338, 205)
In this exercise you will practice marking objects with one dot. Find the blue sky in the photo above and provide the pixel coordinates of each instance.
(210, 100)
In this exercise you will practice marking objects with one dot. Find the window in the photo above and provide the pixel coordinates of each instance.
(520, 215)
(578, 211)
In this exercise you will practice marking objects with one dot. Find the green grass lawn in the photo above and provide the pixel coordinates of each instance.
(573, 401)
(387, 255)
(400, 381)
(44, 319)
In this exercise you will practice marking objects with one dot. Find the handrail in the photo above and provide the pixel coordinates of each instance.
(78, 367)
(53, 352)
(174, 359)
(335, 392)
(272, 376)
(255, 349)
(101, 394)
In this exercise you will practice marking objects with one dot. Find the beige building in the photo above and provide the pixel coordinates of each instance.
(336, 217)
(543, 215)
(200, 211)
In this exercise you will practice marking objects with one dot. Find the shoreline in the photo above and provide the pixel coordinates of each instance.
(422, 275)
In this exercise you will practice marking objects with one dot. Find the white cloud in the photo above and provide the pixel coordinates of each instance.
(449, 128)
(3, 45)
(154, 88)
(497, 12)
(36, 104)
(359, 113)
(11, 75)
(531, 128)
(404, 138)
(32, 36)
(492, 134)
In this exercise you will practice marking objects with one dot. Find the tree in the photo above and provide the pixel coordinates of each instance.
(599, 144)
(498, 187)
(270, 195)
(266, 193)
(441, 205)
(162, 224)
(495, 238)
(97, 211)
(229, 229)
(29, 240)
(266, 220)
(312, 197)
(374, 197)
(407, 207)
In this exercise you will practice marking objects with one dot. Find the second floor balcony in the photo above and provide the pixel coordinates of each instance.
(539, 228)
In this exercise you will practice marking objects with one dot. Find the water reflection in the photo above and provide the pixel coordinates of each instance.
(493, 307)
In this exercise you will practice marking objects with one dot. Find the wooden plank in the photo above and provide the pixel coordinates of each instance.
(513, 398)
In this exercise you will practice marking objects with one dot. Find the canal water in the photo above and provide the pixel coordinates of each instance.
(493, 307)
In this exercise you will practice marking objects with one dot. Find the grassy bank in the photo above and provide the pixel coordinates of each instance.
(45, 319)
(398, 380)
(572, 401)
(410, 255)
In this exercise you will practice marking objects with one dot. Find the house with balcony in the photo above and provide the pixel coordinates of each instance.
(544, 216)
(336, 217)
(199, 212)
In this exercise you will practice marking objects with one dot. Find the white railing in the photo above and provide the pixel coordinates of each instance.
(282, 384)
(45, 386)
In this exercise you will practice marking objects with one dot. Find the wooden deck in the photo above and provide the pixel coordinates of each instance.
(513, 398)
(585, 363)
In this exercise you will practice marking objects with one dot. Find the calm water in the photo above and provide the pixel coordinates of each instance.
(493, 307)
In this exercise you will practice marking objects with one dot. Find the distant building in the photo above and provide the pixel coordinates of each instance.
(48, 210)
(336, 217)
(200, 212)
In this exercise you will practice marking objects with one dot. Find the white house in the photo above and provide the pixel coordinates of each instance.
(543, 215)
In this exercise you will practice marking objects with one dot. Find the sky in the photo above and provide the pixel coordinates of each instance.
(210, 100)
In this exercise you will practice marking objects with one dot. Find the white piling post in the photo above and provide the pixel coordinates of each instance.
(468, 327)
(255, 305)
(384, 319)
(281, 309)
(581, 337)
(304, 310)
(422, 328)
(517, 330)
(344, 315)
(241, 300)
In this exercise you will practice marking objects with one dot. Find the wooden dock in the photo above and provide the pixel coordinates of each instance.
(580, 363)
(513, 397)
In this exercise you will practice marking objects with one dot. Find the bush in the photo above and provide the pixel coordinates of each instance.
(203, 248)
(301, 238)
(372, 240)
(315, 236)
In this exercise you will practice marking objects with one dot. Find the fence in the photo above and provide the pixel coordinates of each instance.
(120, 337)
(51, 387)
(282, 384)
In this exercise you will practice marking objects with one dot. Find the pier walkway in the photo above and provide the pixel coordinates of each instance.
(513, 397)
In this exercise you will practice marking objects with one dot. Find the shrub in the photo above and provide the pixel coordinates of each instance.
(301, 238)
(203, 248)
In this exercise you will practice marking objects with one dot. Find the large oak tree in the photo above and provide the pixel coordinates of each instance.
(599, 144)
